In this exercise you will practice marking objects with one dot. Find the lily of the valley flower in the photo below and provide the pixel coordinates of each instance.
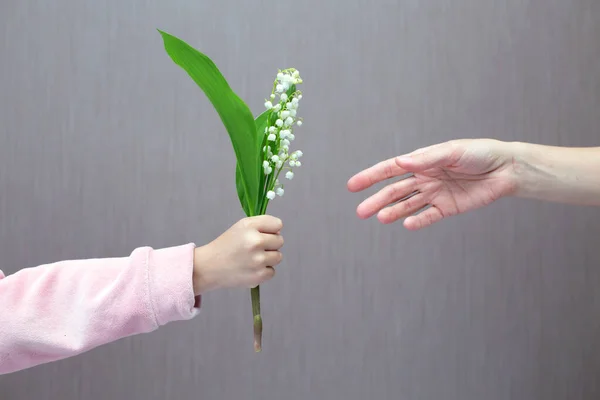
(279, 135)
(282, 118)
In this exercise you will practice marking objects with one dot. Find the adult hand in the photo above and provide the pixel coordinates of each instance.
(448, 178)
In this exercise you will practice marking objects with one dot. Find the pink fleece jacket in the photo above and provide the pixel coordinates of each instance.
(59, 310)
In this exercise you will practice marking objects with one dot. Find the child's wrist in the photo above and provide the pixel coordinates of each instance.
(204, 279)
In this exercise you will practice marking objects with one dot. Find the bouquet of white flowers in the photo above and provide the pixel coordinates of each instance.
(261, 144)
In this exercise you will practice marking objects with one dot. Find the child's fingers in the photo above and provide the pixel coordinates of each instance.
(266, 274)
(272, 242)
(266, 224)
(273, 258)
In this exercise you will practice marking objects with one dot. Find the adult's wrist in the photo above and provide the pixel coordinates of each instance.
(533, 170)
(522, 165)
(557, 174)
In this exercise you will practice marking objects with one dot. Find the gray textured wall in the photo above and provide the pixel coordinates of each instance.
(105, 145)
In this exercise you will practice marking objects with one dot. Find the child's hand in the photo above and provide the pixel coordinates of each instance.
(243, 256)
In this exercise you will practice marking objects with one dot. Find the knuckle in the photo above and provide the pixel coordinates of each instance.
(242, 224)
(397, 162)
(391, 191)
(247, 222)
(258, 259)
(253, 241)
(388, 171)
(392, 213)
(430, 219)
(455, 150)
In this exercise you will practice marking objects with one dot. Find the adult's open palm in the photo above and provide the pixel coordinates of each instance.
(440, 181)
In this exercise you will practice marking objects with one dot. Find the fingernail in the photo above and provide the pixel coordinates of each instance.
(403, 159)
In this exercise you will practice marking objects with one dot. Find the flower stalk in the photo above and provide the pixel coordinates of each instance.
(278, 135)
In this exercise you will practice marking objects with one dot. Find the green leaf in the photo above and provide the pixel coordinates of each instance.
(261, 124)
(242, 192)
(234, 113)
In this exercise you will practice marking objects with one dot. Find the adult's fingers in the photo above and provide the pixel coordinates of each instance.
(386, 196)
(424, 219)
(418, 160)
(402, 209)
(375, 174)
(440, 155)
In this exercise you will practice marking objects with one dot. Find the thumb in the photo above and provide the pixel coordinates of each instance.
(436, 156)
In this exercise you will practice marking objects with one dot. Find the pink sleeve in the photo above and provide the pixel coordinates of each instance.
(63, 309)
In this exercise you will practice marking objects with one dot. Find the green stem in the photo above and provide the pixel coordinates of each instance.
(255, 294)
(261, 207)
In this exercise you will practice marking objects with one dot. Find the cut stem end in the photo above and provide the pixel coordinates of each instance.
(257, 333)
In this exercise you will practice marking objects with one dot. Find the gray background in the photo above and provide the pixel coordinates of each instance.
(106, 145)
